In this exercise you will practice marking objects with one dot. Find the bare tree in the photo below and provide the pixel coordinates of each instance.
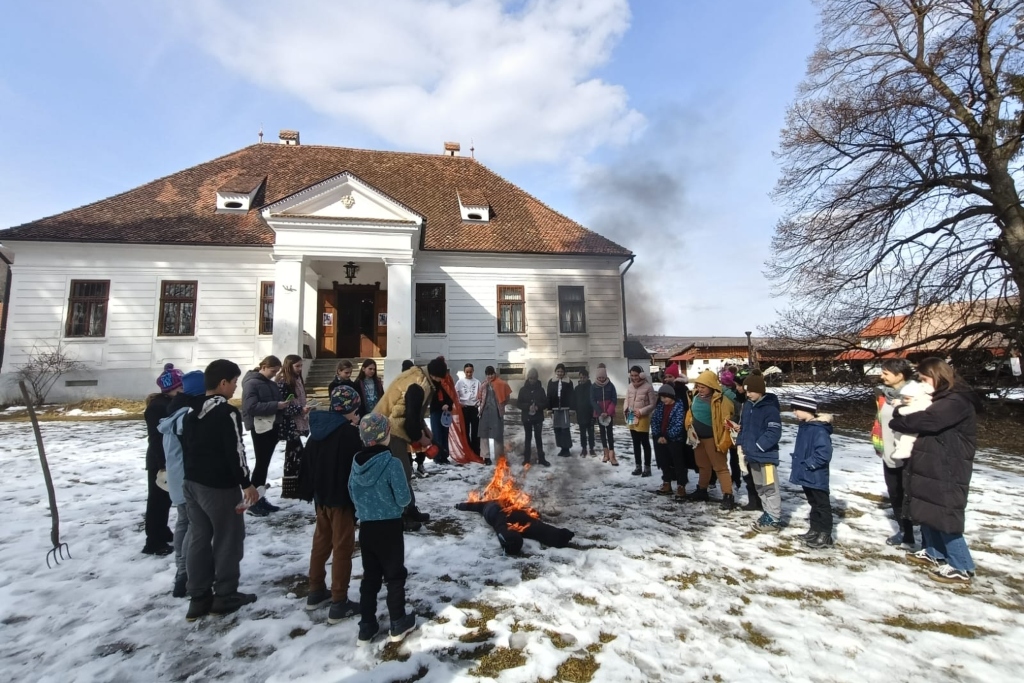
(45, 366)
(901, 159)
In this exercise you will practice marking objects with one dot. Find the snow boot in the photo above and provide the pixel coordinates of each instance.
(367, 632)
(232, 602)
(342, 610)
(607, 457)
(646, 472)
(317, 598)
(180, 590)
(401, 627)
(698, 495)
(680, 493)
(820, 539)
(665, 490)
(199, 607)
(541, 460)
(638, 470)
(728, 502)
(611, 453)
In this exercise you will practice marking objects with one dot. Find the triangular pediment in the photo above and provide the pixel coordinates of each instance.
(342, 198)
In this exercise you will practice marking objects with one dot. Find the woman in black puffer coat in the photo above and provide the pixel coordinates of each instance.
(937, 476)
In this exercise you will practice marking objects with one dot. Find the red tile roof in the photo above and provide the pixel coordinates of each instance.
(884, 327)
(180, 208)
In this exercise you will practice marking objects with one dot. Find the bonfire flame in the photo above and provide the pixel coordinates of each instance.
(504, 490)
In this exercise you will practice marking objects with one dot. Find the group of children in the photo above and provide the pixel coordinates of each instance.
(197, 450)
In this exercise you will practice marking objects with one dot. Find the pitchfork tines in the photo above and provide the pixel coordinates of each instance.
(57, 553)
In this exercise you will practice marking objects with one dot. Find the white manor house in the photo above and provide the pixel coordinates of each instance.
(326, 252)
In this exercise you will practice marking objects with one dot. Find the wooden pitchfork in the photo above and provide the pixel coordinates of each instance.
(59, 549)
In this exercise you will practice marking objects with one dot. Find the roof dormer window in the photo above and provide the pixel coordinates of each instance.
(474, 206)
(236, 196)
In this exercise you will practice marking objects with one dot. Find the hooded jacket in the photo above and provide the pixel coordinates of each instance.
(722, 409)
(212, 445)
(532, 393)
(328, 454)
(260, 397)
(938, 472)
(812, 453)
(377, 485)
(760, 430)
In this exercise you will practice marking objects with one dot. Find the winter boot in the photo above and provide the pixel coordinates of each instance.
(543, 461)
(317, 599)
(593, 453)
(367, 632)
(410, 524)
(728, 502)
(680, 493)
(401, 627)
(180, 588)
(415, 513)
(607, 457)
(665, 490)
(753, 505)
(821, 539)
(611, 454)
(806, 536)
(199, 607)
(638, 470)
(342, 610)
(698, 495)
(646, 472)
(232, 602)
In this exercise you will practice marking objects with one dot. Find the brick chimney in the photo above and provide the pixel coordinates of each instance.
(451, 149)
(288, 137)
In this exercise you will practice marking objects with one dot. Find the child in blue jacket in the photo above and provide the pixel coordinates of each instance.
(811, 456)
(380, 492)
(758, 449)
(669, 433)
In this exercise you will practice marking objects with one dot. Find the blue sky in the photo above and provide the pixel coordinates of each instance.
(652, 121)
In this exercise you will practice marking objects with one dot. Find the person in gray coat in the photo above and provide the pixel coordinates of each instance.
(262, 404)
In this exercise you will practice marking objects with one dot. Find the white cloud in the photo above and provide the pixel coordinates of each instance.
(515, 77)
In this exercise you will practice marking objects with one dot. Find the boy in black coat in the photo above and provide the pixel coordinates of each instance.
(532, 401)
(158, 502)
(333, 443)
(560, 400)
(217, 490)
(585, 410)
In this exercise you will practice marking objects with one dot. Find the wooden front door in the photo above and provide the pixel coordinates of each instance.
(357, 321)
(327, 331)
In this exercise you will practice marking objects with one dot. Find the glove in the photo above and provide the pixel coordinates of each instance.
(743, 460)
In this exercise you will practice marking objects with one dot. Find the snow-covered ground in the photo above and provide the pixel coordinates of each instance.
(652, 589)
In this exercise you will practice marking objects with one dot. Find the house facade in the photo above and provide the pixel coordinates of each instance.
(324, 252)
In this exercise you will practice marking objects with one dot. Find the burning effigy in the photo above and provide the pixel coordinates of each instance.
(506, 507)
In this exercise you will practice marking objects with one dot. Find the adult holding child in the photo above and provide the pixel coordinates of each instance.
(706, 424)
(896, 373)
(938, 472)
(262, 412)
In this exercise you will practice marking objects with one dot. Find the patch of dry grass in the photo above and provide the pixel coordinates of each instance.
(497, 660)
(951, 628)
(756, 637)
(486, 613)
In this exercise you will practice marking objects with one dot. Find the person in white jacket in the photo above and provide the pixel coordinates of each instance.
(468, 393)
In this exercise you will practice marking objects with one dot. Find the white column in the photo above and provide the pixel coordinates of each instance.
(400, 318)
(289, 295)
